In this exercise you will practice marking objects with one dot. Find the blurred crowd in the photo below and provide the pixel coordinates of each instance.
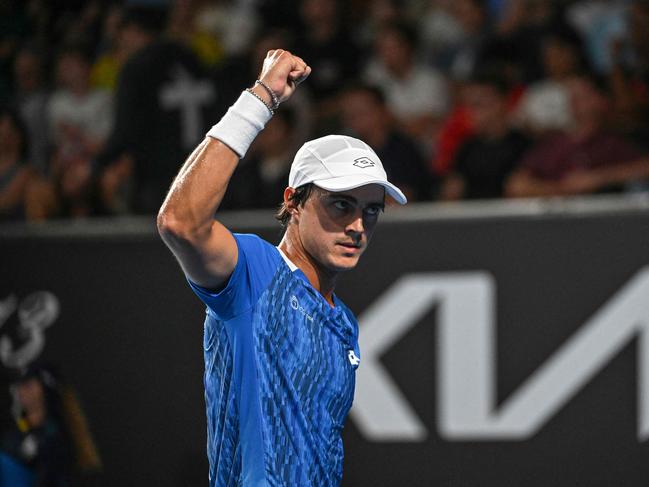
(102, 101)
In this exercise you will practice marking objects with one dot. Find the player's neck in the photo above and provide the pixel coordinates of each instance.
(321, 279)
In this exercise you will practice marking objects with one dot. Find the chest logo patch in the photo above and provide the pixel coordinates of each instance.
(353, 359)
(295, 304)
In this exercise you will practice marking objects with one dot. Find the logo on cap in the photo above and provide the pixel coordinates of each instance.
(364, 162)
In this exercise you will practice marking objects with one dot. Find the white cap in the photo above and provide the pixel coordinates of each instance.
(339, 163)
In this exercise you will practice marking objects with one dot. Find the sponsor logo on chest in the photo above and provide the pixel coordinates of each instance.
(295, 304)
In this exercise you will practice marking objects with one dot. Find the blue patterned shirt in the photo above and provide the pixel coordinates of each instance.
(279, 374)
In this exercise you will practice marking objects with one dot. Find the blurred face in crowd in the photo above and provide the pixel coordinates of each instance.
(31, 397)
(487, 107)
(470, 14)
(316, 12)
(27, 71)
(588, 105)
(560, 59)
(73, 72)
(10, 138)
(394, 51)
(112, 22)
(363, 114)
(132, 38)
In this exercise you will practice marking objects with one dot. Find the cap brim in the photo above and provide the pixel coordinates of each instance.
(348, 182)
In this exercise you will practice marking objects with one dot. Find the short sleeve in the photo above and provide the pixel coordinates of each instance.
(257, 264)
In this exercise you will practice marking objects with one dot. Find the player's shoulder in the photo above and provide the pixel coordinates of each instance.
(258, 252)
(254, 242)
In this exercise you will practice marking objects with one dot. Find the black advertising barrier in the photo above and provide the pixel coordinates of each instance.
(501, 344)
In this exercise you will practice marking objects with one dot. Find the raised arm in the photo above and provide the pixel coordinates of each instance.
(206, 250)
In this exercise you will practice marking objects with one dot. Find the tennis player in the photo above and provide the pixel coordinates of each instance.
(280, 348)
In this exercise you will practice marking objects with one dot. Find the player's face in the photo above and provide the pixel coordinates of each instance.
(335, 228)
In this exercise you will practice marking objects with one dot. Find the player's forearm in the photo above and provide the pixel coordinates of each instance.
(622, 173)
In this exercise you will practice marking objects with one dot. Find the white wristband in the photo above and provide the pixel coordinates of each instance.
(241, 124)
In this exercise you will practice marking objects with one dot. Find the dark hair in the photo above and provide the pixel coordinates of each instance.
(372, 90)
(150, 19)
(492, 77)
(299, 197)
(567, 37)
(405, 31)
(49, 378)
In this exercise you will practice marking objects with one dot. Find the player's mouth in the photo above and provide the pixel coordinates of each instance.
(350, 246)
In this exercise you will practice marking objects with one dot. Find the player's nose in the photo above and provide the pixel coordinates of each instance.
(355, 225)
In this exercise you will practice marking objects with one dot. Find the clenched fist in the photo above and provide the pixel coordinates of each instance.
(281, 72)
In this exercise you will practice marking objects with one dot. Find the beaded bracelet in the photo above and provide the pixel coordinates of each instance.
(272, 112)
(272, 94)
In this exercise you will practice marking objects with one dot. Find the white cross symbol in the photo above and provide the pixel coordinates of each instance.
(189, 95)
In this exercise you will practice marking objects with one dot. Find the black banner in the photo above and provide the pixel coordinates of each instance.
(511, 349)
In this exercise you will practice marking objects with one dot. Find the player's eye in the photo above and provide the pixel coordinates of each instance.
(373, 210)
(341, 205)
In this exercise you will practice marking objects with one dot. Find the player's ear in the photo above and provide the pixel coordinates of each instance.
(288, 198)
(290, 204)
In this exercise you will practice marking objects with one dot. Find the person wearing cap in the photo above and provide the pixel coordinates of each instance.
(280, 348)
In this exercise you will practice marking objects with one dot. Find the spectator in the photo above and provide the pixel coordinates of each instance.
(14, 29)
(524, 25)
(164, 104)
(630, 76)
(601, 25)
(485, 160)
(457, 127)
(184, 27)
(30, 98)
(372, 16)
(473, 18)
(323, 40)
(49, 436)
(38, 439)
(441, 33)
(80, 120)
(24, 194)
(366, 115)
(229, 26)
(416, 94)
(111, 54)
(544, 106)
(585, 159)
